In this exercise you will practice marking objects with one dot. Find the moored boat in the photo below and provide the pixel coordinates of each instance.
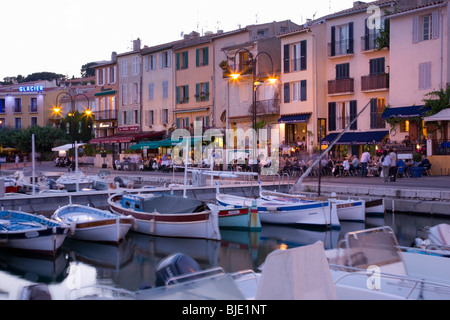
(25, 231)
(74, 182)
(375, 207)
(347, 209)
(92, 224)
(168, 216)
(303, 213)
(246, 218)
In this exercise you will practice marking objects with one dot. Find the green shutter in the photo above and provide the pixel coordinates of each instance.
(178, 61)
(186, 60)
(187, 122)
(197, 57)
(206, 57)
(178, 123)
(197, 92)
(207, 91)
(177, 91)
(187, 93)
(207, 121)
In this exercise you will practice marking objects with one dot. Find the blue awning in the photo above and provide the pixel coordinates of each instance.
(357, 138)
(295, 118)
(405, 112)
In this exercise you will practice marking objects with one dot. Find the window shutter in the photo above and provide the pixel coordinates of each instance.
(197, 92)
(160, 61)
(207, 91)
(353, 114)
(177, 92)
(287, 97)
(366, 36)
(186, 92)
(207, 121)
(415, 34)
(178, 123)
(178, 61)
(286, 59)
(333, 41)
(373, 113)
(206, 57)
(332, 116)
(186, 60)
(350, 38)
(197, 57)
(303, 90)
(186, 122)
(303, 61)
(435, 24)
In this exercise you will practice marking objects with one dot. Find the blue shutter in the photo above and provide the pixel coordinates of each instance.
(186, 60)
(286, 59)
(177, 91)
(350, 38)
(178, 123)
(197, 58)
(303, 90)
(353, 114)
(287, 96)
(197, 92)
(332, 116)
(333, 41)
(206, 57)
(178, 61)
(303, 61)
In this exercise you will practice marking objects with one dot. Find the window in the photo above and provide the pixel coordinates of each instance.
(183, 123)
(182, 60)
(135, 65)
(17, 105)
(33, 105)
(134, 93)
(341, 39)
(426, 27)
(100, 77)
(124, 68)
(150, 120)
(124, 94)
(165, 116)
(151, 89)
(299, 56)
(136, 116)
(425, 76)
(377, 106)
(341, 114)
(18, 123)
(404, 126)
(299, 91)
(264, 33)
(202, 57)
(34, 121)
(112, 75)
(164, 59)
(182, 93)
(377, 66)
(125, 117)
(150, 62)
(2, 105)
(343, 71)
(202, 91)
(165, 89)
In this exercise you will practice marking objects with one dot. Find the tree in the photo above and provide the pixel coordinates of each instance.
(88, 70)
(437, 105)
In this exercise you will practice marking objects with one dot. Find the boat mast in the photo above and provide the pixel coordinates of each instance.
(298, 185)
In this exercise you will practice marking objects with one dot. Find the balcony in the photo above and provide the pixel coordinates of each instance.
(105, 115)
(340, 48)
(266, 107)
(341, 86)
(375, 82)
(244, 68)
(374, 42)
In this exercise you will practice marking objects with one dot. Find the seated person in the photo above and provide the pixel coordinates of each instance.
(425, 163)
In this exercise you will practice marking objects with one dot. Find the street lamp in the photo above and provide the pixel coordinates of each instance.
(255, 83)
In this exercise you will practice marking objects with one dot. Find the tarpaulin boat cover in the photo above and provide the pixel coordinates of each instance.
(440, 234)
(297, 274)
(165, 204)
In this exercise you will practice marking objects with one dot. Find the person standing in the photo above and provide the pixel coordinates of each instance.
(393, 166)
(385, 163)
(17, 160)
(365, 159)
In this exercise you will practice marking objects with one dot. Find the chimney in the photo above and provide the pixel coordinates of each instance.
(114, 56)
(137, 44)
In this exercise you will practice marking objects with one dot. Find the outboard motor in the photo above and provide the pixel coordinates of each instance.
(120, 182)
(175, 265)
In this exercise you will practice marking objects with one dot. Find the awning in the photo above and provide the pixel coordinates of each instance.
(357, 138)
(168, 143)
(444, 115)
(405, 112)
(126, 138)
(67, 147)
(295, 118)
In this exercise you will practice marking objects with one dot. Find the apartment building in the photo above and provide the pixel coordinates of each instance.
(28, 104)
(358, 73)
(419, 64)
(303, 86)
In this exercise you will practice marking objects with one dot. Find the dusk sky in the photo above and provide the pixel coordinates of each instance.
(61, 36)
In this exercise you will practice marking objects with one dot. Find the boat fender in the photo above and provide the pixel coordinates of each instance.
(272, 209)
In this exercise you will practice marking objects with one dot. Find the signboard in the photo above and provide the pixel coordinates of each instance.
(31, 88)
(129, 129)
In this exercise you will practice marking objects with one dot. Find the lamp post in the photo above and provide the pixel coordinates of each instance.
(255, 83)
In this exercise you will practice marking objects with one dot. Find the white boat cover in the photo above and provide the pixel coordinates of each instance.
(440, 234)
(297, 274)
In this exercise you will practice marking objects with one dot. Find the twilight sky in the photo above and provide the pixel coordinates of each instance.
(61, 36)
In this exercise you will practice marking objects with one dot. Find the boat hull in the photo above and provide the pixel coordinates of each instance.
(351, 210)
(23, 231)
(201, 225)
(310, 214)
(375, 207)
(91, 224)
(240, 219)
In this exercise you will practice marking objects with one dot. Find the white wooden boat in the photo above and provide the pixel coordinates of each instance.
(246, 218)
(168, 216)
(25, 231)
(304, 213)
(347, 209)
(375, 207)
(91, 224)
(71, 180)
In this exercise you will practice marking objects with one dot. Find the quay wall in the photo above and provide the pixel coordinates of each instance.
(396, 199)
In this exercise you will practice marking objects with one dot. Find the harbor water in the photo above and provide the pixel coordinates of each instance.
(82, 266)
